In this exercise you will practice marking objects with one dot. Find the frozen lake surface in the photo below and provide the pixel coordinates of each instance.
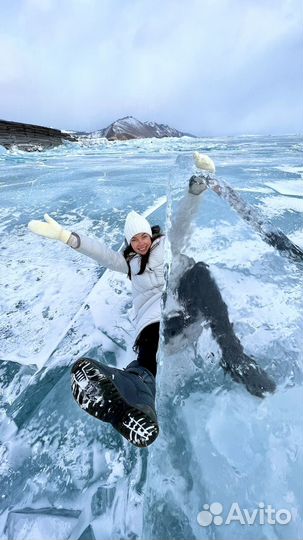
(63, 474)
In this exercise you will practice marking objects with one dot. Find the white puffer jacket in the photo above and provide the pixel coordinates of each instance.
(146, 288)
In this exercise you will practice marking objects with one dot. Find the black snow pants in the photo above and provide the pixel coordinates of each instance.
(146, 345)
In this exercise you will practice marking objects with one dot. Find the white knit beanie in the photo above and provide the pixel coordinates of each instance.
(135, 224)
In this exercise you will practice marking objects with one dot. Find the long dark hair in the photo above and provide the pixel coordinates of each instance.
(129, 253)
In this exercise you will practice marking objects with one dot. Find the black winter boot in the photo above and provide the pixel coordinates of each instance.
(244, 369)
(124, 398)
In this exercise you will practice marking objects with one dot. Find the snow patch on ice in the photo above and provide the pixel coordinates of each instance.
(288, 187)
(275, 206)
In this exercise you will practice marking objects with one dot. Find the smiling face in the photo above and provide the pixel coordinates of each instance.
(141, 243)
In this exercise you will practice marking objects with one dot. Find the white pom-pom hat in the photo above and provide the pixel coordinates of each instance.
(135, 224)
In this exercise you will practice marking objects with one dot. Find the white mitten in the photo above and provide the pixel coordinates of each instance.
(50, 229)
(204, 162)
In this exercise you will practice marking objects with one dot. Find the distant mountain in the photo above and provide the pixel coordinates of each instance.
(31, 137)
(131, 128)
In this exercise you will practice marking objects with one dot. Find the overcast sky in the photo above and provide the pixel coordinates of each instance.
(208, 67)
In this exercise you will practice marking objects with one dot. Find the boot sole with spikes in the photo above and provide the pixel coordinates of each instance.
(95, 391)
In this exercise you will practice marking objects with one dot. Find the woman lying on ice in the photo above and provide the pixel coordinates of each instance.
(126, 398)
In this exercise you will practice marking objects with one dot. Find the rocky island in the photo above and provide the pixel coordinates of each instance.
(30, 137)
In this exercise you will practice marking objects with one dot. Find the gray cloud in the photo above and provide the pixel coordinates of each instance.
(211, 67)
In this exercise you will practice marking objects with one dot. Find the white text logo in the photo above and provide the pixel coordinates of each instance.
(212, 513)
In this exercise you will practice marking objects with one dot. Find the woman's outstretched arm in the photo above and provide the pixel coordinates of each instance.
(92, 248)
(97, 250)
